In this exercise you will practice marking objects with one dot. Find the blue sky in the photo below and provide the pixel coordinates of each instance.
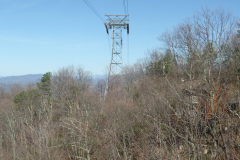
(38, 36)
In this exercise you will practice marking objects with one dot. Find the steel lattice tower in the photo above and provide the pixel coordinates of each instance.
(117, 23)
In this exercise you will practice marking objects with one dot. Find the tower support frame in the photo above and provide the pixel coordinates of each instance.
(117, 23)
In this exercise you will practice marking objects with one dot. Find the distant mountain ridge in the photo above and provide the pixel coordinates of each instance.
(21, 79)
(97, 76)
(25, 79)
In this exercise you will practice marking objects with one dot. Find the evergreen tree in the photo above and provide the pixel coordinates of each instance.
(238, 32)
(45, 83)
(167, 62)
(162, 66)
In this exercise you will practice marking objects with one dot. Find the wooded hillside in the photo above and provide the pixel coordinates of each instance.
(179, 102)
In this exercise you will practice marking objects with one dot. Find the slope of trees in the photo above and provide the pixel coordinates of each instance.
(181, 102)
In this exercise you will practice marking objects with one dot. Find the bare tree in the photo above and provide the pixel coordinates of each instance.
(198, 46)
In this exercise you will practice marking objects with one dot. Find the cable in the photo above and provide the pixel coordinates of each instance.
(109, 45)
(128, 49)
(124, 6)
(128, 34)
(127, 7)
(93, 9)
